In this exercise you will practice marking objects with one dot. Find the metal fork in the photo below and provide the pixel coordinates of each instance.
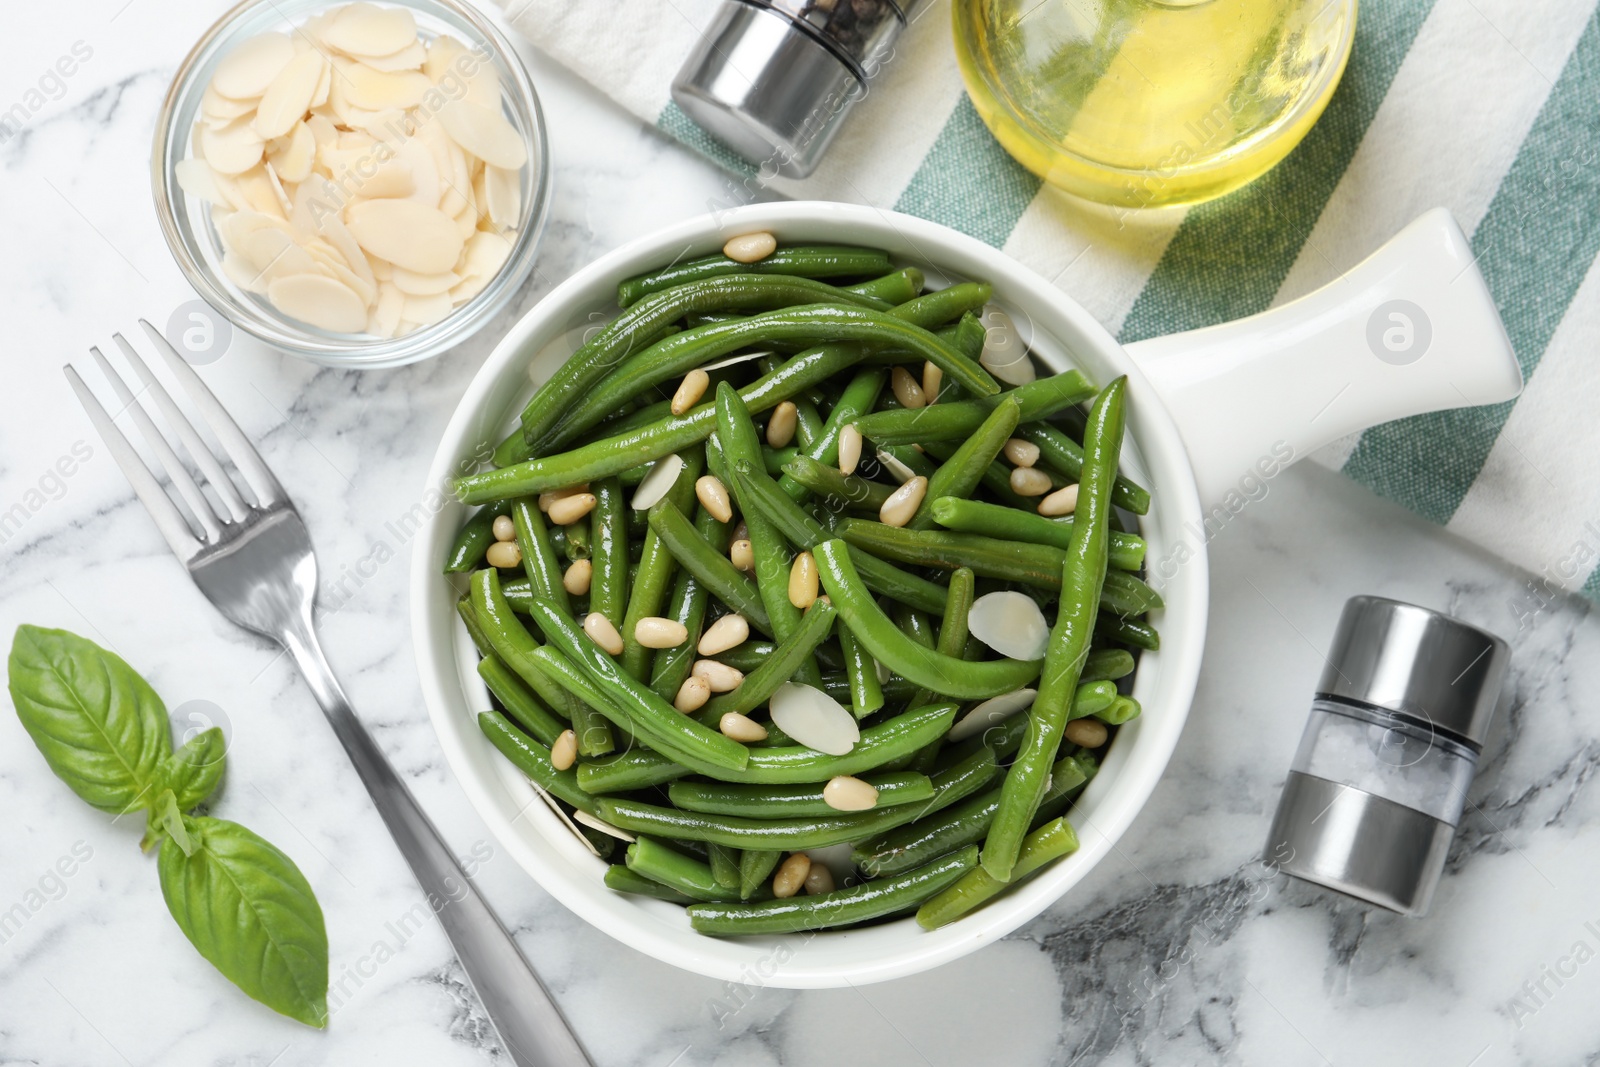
(254, 561)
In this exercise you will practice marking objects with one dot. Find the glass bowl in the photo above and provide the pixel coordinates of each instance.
(192, 235)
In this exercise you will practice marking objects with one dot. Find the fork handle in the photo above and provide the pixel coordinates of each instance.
(519, 1006)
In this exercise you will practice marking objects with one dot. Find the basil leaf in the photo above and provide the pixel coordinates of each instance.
(167, 816)
(98, 724)
(247, 908)
(195, 770)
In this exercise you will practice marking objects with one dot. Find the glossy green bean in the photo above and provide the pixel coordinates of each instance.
(638, 768)
(859, 397)
(653, 719)
(1121, 710)
(1108, 663)
(952, 641)
(755, 867)
(469, 619)
(1082, 577)
(792, 834)
(1012, 524)
(538, 550)
(724, 866)
(713, 569)
(533, 760)
(690, 601)
(1135, 632)
(794, 801)
(648, 590)
(519, 702)
(959, 475)
(866, 692)
(1049, 842)
(474, 539)
(608, 587)
(837, 489)
(955, 420)
(783, 665)
(1061, 452)
(805, 261)
(580, 539)
(947, 675)
(623, 880)
(842, 907)
(652, 859)
(896, 287)
(1092, 698)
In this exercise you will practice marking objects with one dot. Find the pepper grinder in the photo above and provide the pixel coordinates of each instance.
(774, 79)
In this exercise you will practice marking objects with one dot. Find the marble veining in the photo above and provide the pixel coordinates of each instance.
(1180, 948)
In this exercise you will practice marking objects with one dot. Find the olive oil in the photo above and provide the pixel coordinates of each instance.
(1144, 103)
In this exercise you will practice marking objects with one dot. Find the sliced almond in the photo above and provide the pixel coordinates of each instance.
(375, 90)
(427, 310)
(443, 52)
(991, 712)
(320, 301)
(425, 183)
(654, 485)
(363, 29)
(813, 718)
(484, 133)
(410, 57)
(1010, 623)
(413, 284)
(213, 105)
(197, 179)
(250, 66)
(483, 255)
(289, 96)
(291, 156)
(502, 196)
(406, 233)
(234, 148)
(384, 319)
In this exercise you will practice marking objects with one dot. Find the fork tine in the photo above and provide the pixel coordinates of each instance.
(179, 475)
(234, 442)
(169, 520)
(197, 448)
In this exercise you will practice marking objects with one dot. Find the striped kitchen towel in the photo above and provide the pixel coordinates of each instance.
(1488, 107)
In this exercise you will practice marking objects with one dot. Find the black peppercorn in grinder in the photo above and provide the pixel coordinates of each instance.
(773, 79)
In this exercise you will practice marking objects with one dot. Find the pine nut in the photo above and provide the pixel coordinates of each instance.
(932, 378)
(1090, 733)
(718, 676)
(550, 496)
(906, 390)
(782, 424)
(579, 575)
(848, 793)
(1063, 501)
(903, 502)
(727, 632)
(569, 509)
(656, 632)
(743, 557)
(803, 581)
(741, 532)
(849, 447)
(1029, 481)
(742, 728)
(1021, 453)
(504, 528)
(564, 753)
(504, 554)
(713, 496)
(603, 632)
(750, 247)
(690, 390)
(819, 879)
(791, 876)
(692, 695)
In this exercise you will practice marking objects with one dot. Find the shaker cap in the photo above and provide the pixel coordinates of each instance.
(1417, 662)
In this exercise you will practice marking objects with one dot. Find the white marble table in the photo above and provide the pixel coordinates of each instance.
(1180, 949)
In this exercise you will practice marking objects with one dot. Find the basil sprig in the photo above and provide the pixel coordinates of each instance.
(239, 900)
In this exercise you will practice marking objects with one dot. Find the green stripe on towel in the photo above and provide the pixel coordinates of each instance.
(1534, 246)
(1230, 256)
(941, 189)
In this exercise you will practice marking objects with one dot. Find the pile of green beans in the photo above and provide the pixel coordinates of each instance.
(754, 381)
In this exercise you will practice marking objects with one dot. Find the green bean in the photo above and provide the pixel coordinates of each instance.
(755, 867)
(1121, 709)
(1058, 450)
(638, 768)
(866, 693)
(652, 859)
(747, 655)
(469, 619)
(787, 802)
(880, 744)
(960, 474)
(608, 588)
(656, 564)
(724, 866)
(952, 641)
(792, 834)
(533, 760)
(954, 421)
(1011, 524)
(859, 397)
(895, 287)
(580, 540)
(991, 557)
(782, 666)
(808, 427)
(806, 532)
(1050, 842)
(915, 625)
(477, 534)
(832, 485)
(1082, 576)
(963, 824)
(519, 702)
(1135, 632)
(690, 599)
(952, 677)
(538, 550)
(515, 646)
(855, 904)
(713, 569)
(1092, 698)
(916, 462)
(805, 261)
(656, 721)
(623, 880)
(1108, 664)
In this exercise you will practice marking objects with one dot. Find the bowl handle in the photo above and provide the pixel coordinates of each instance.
(1410, 329)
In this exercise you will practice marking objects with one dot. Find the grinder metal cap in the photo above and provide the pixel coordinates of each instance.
(1417, 662)
(774, 79)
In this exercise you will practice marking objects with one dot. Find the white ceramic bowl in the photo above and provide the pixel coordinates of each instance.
(1063, 335)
